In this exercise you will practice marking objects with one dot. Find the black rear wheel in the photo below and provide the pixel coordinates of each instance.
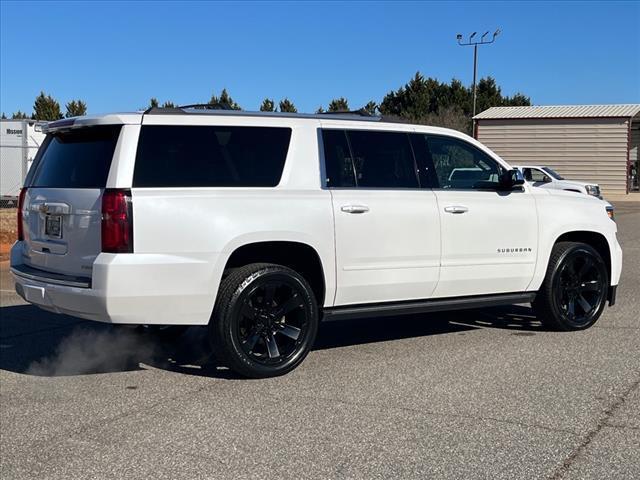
(265, 320)
(574, 292)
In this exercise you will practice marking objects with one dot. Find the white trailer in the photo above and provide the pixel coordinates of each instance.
(19, 143)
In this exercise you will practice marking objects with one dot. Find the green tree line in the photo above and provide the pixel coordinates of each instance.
(423, 100)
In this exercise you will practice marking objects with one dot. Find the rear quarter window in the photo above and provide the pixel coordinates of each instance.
(210, 156)
(75, 159)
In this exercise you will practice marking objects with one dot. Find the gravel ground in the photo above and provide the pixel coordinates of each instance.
(476, 394)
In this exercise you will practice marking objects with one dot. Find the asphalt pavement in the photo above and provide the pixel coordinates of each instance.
(474, 394)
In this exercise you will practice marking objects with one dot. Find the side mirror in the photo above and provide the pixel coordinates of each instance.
(511, 178)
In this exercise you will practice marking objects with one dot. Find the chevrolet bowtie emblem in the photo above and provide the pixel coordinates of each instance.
(44, 208)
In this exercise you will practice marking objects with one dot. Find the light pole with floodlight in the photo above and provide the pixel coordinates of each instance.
(475, 44)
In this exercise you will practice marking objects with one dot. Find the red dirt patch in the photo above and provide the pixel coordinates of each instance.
(8, 231)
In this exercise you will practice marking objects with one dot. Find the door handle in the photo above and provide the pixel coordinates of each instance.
(456, 209)
(354, 208)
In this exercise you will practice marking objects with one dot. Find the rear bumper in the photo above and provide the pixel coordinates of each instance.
(29, 273)
(151, 289)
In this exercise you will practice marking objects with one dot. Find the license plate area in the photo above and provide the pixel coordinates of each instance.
(53, 226)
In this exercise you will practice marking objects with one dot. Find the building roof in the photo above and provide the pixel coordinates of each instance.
(560, 111)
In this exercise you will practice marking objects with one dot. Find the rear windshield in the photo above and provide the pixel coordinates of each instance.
(210, 156)
(75, 159)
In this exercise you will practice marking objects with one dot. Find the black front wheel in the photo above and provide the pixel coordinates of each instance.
(265, 320)
(574, 292)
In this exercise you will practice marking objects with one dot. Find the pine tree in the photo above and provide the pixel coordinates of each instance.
(268, 105)
(46, 108)
(19, 115)
(224, 101)
(153, 103)
(287, 105)
(168, 104)
(370, 107)
(76, 108)
(428, 101)
(518, 100)
(4, 117)
(339, 105)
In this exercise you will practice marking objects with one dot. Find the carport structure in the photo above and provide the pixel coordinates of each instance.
(594, 143)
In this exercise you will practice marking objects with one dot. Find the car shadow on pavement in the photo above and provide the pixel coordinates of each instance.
(35, 342)
(511, 317)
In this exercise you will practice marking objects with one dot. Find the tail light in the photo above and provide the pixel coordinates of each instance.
(23, 192)
(117, 221)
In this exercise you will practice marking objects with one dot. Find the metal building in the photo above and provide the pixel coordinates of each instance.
(597, 143)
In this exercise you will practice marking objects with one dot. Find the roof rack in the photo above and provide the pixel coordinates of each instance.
(197, 106)
(361, 111)
(214, 109)
(209, 106)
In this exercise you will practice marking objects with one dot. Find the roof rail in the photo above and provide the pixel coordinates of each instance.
(214, 109)
(209, 106)
(182, 108)
(161, 110)
(361, 111)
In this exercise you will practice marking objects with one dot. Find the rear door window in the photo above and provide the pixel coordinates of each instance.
(382, 159)
(75, 159)
(210, 156)
(369, 159)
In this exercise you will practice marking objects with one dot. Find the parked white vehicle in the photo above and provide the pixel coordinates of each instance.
(260, 225)
(546, 177)
(19, 142)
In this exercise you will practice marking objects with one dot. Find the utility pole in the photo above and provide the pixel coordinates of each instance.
(475, 44)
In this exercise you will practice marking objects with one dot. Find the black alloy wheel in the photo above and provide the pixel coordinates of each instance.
(581, 288)
(273, 321)
(265, 320)
(574, 292)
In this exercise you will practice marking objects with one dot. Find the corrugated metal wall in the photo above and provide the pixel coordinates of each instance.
(634, 153)
(587, 149)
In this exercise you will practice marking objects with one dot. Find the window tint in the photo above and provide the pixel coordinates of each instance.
(421, 151)
(338, 165)
(382, 159)
(210, 156)
(75, 159)
(460, 165)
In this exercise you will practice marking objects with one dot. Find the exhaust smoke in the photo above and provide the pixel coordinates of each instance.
(88, 350)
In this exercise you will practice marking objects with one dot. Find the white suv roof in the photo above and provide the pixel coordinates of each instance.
(357, 118)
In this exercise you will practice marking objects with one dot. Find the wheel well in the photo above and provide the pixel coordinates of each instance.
(594, 239)
(297, 256)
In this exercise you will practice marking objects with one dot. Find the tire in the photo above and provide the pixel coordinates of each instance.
(265, 320)
(574, 292)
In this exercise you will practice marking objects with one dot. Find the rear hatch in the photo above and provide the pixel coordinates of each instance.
(62, 203)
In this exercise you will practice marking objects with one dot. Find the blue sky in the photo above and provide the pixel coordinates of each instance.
(116, 55)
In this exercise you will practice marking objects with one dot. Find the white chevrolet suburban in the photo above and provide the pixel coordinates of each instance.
(260, 225)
